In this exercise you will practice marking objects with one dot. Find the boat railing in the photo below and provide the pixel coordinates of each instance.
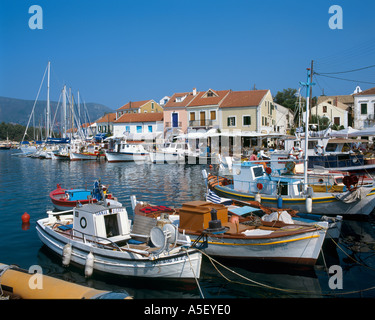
(92, 239)
(290, 186)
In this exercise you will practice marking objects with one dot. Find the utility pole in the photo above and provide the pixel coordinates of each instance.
(311, 79)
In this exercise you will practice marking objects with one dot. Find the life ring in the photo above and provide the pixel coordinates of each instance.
(83, 223)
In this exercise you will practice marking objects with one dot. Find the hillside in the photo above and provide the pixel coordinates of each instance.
(18, 111)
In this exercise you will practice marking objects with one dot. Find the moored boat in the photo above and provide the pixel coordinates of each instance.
(65, 199)
(98, 237)
(221, 233)
(252, 182)
(124, 151)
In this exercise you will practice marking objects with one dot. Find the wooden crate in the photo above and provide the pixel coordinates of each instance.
(195, 215)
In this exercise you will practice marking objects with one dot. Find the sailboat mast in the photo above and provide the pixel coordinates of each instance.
(48, 105)
(64, 112)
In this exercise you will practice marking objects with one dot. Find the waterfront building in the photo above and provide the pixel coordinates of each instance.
(139, 126)
(364, 109)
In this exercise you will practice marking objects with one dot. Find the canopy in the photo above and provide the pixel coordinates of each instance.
(344, 133)
(366, 132)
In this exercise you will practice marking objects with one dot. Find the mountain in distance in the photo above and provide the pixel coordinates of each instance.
(18, 111)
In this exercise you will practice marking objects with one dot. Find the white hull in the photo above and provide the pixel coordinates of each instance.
(125, 263)
(166, 157)
(299, 248)
(74, 156)
(123, 157)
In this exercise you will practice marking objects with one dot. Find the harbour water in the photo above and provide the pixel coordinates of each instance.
(25, 184)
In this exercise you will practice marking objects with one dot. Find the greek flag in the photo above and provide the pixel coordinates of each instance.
(214, 198)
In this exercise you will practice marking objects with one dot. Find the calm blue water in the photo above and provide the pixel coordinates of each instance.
(24, 187)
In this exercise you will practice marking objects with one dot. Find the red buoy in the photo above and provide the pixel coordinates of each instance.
(25, 218)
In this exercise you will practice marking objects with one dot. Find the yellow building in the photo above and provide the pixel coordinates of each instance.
(144, 106)
(251, 110)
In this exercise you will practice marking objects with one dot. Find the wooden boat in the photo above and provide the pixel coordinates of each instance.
(64, 199)
(83, 151)
(253, 182)
(124, 151)
(221, 233)
(98, 237)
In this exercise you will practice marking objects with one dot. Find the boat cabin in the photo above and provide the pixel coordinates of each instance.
(126, 147)
(108, 222)
(252, 178)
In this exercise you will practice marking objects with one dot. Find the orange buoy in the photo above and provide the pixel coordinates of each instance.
(25, 218)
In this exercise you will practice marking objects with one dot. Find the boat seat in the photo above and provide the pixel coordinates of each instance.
(233, 228)
(65, 227)
(142, 226)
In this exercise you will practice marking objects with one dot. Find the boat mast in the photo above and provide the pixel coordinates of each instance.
(48, 105)
(64, 112)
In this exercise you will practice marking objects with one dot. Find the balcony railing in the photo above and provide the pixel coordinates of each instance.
(173, 125)
(200, 123)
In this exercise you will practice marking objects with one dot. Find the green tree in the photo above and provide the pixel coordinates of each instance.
(287, 98)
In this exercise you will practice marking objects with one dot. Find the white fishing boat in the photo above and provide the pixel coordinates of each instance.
(169, 153)
(219, 232)
(124, 151)
(100, 238)
(81, 150)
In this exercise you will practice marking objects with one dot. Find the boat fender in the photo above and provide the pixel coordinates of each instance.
(257, 197)
(308, 205)
(89, 266)
(66, 255)
(279, 202)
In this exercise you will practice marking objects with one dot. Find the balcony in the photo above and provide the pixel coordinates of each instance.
(201, 123)
(173, 125)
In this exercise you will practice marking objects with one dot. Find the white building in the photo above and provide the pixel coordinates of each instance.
(284, 119)
(139, 126)
(364, 109)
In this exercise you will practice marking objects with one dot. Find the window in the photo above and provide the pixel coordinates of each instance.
(324, 109)
(363, 108)
(152, 105)
(336, 120)
(149, 128)
(127, 128)
(246, 120)
(192, 116)
(210, 94)
(139, 129)
(213, 115)
(231, 121)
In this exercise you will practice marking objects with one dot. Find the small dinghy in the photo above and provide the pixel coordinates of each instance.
(65, 199)
(99, 236)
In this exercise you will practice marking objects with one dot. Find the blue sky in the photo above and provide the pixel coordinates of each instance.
(116, 51)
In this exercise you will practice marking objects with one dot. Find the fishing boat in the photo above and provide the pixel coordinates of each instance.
(169, 153)
(220, 232)
(99, 237)
(252, 182)
(275, 214)
(124, 151)
(85, 151)
(64, 199)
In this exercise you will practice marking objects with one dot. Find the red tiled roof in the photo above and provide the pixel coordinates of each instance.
(172, 101)
(243, 98)
(366, 92)
(109, 117)
(202, 100)
(140, 117)
(134, 104)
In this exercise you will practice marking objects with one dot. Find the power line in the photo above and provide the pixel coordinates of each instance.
(358, 81)
(323, 73)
